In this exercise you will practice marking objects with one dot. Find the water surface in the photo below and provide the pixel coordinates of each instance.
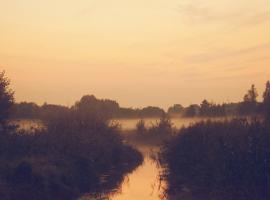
(142, 184)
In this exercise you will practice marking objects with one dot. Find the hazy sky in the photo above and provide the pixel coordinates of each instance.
(138, 52)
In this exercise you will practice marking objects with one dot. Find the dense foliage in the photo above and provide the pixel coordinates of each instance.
(217, 156)
(67, 158)
(106, 108)
(266, 101)
(6, 99)
(77, 151)
(154, 134)
(103, 108)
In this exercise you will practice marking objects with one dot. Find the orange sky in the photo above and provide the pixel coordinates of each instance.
(154, 52)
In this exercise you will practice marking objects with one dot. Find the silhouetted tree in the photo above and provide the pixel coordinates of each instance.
(212, 110)
(175, 109)
(192, 110)
(266, 100)
(6, 98)
(252, 95)
(89, 105)
(249, 104)
(25, 110)
(152, 111)
(48, 112)
(205, 108)
(231, 108)
(128, 113)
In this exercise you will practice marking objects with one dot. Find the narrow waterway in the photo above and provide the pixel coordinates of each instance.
(143, 183)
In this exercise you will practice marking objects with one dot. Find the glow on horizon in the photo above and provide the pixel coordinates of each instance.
(155, 52)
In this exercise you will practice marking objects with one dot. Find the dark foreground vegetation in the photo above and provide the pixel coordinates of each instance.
(63, 163)
(77, 152)
(220, 160)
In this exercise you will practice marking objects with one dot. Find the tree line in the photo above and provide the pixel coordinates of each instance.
(104, 108)
(107, 108)
(248, 106)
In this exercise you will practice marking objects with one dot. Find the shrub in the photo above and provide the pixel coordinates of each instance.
(218, 155)
(162, 127)
(6, 99)
(66, 159)
(140, 127)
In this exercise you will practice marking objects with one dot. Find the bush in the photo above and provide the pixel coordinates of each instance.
(162, 127)
(66, 159)
(141, 127)
(6, 99)
(219, 155)
(156, 134)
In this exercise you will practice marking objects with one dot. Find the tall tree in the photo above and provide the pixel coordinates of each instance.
(266, 100)
(251, 95)
(205, 108)
(175, 109)
(6, 98)
(249, 104)
(192, 110)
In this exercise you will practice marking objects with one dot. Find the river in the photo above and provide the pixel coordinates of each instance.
(142, 184)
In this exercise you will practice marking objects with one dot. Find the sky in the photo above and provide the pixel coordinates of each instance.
(138, 52)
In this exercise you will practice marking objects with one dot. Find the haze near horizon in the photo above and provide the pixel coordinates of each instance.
(136, 52)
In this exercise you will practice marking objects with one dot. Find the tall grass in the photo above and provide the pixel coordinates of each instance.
(71, 156)
(220, 156)
(154, 135)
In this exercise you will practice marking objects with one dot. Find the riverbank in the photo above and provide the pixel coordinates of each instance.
(143, 182)
(63, 161)
(218, 160)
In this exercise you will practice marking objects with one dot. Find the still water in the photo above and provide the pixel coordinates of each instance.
(142, 184)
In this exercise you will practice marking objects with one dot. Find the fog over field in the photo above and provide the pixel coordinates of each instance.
(135, 100)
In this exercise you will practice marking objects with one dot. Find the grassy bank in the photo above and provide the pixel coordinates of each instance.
(73, 155)
(153, 135)
(224, 160)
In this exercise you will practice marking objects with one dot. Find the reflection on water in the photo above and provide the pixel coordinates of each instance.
(142, 184)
